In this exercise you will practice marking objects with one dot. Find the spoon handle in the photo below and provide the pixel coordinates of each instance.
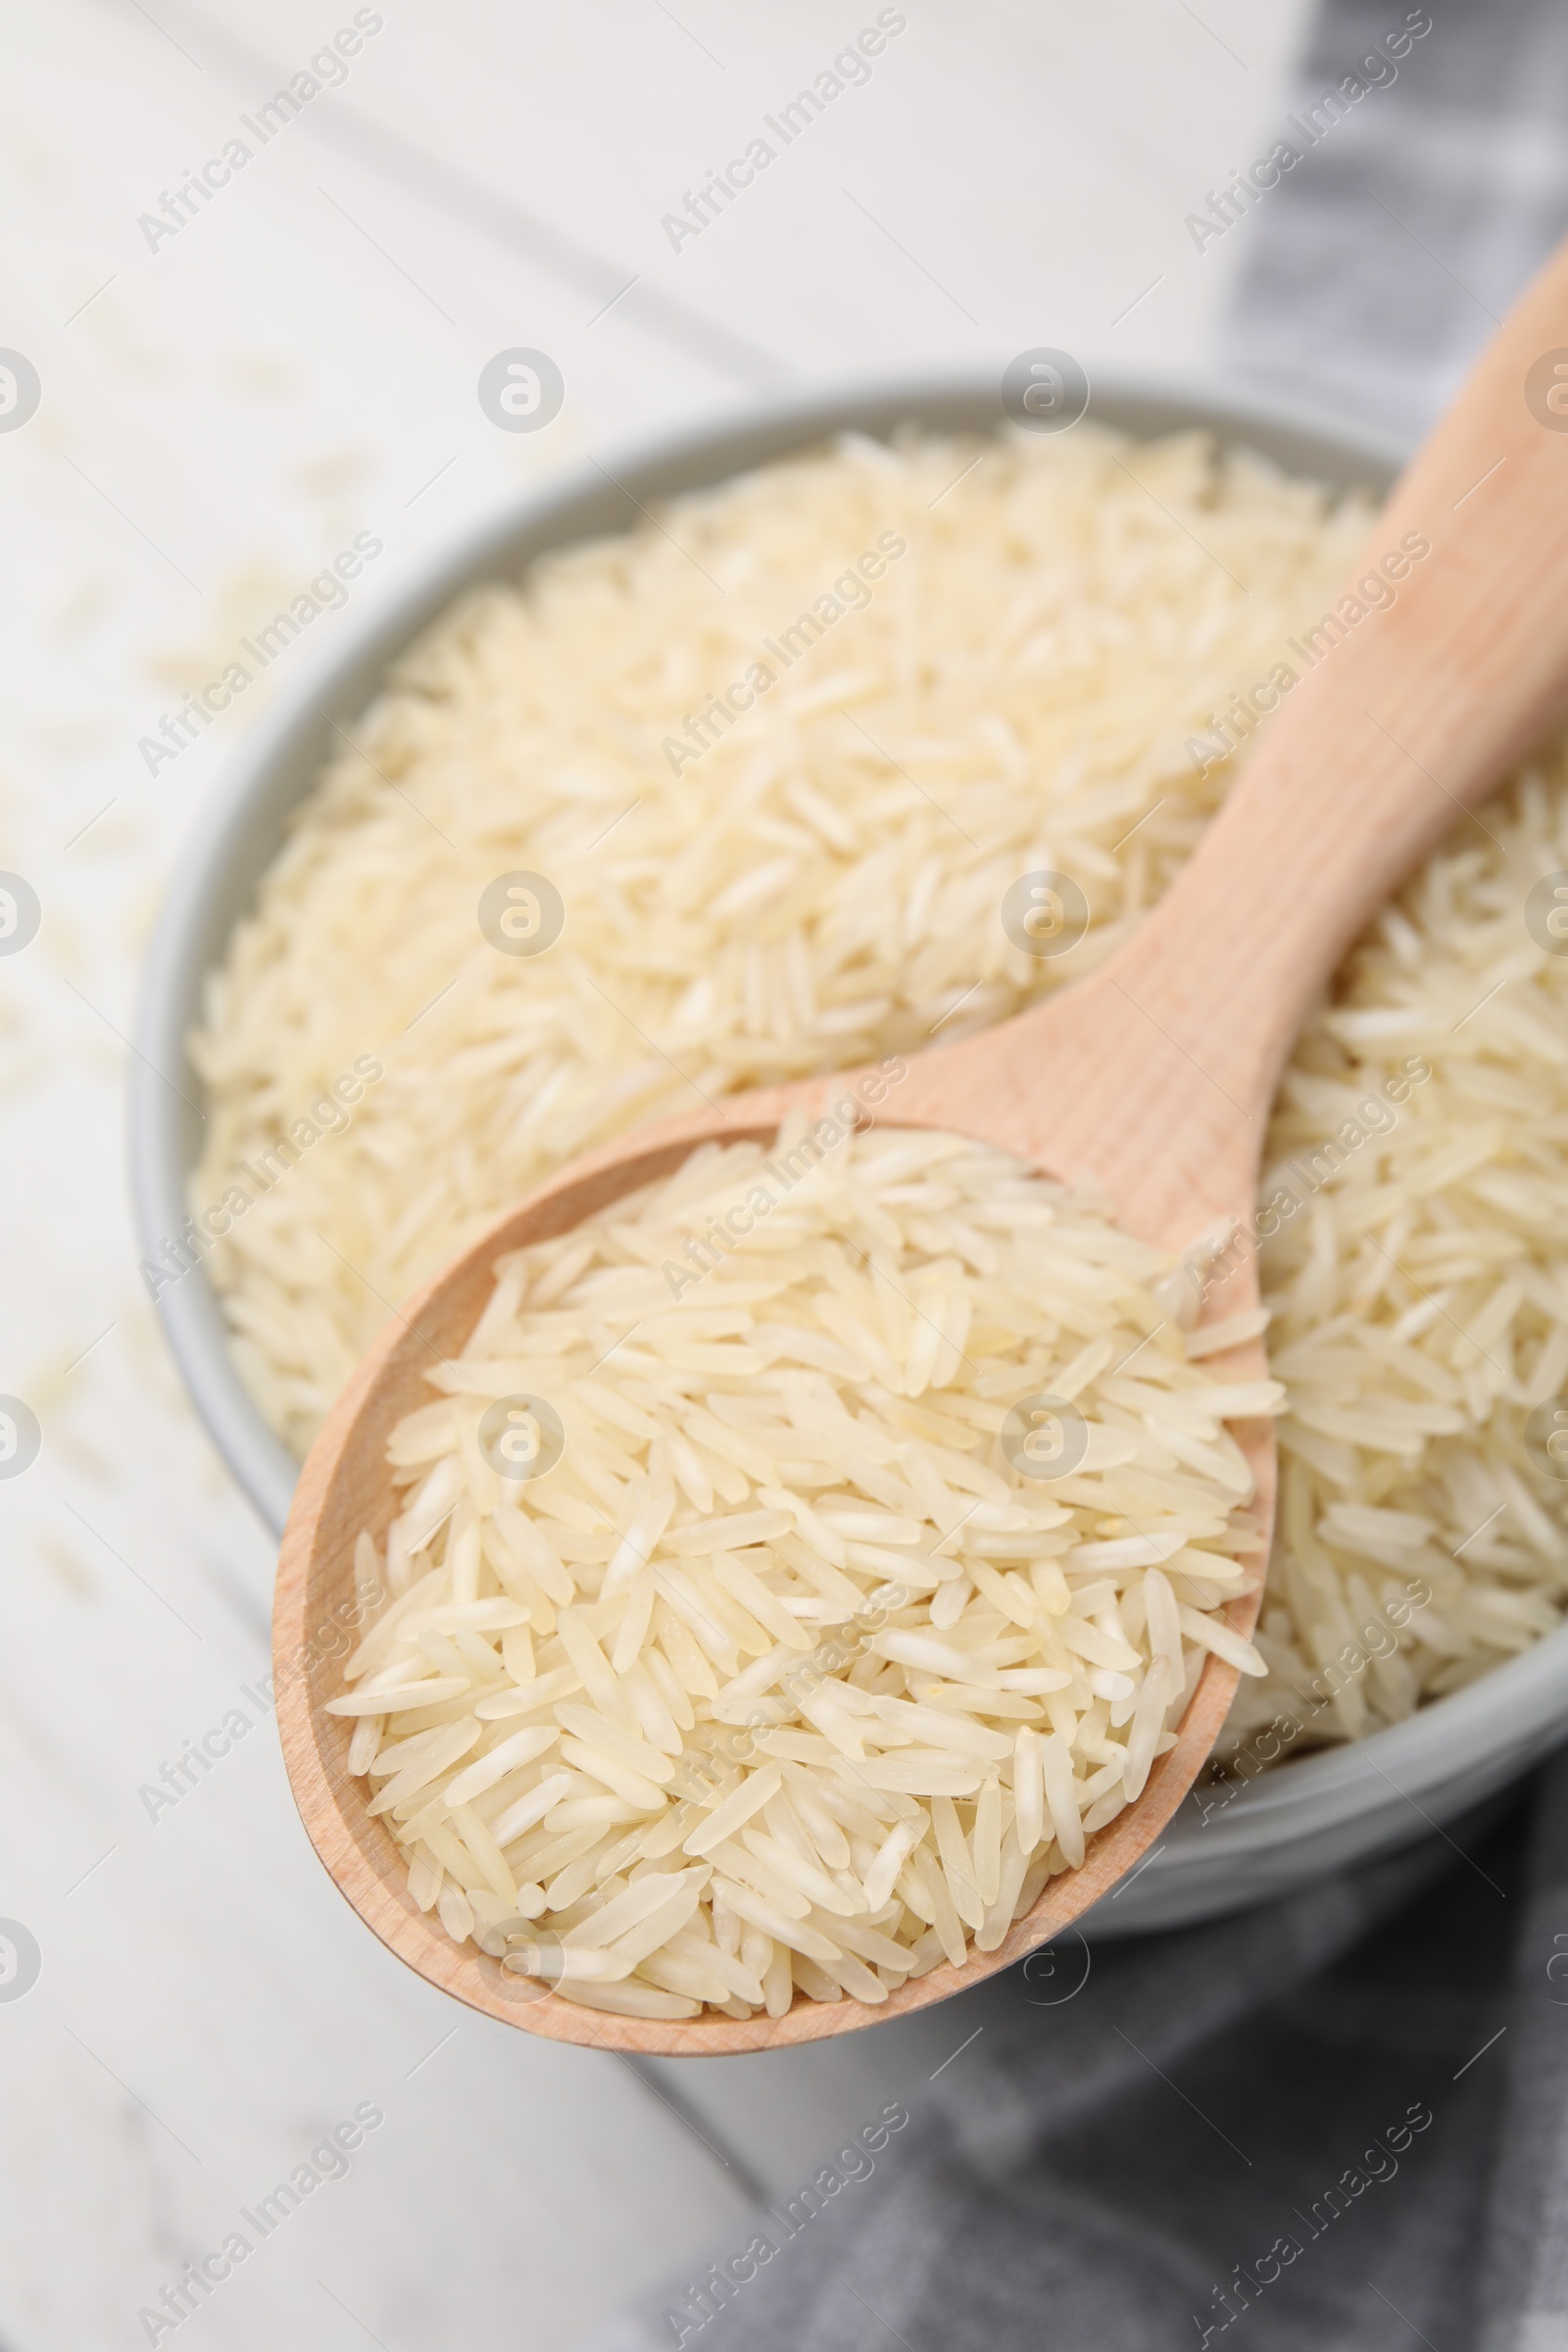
(1442, 663)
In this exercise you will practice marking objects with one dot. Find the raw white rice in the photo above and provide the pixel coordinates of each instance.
(820, 888)
(1420, 1296)
(789, 1675)
(823, 887)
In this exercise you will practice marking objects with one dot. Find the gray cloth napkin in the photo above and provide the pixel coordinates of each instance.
(1338, 2124)
(1271, 2130)
(1381, 260)
(1332, 2124)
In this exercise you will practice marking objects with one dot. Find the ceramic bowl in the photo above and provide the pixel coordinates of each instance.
(1299, 1822)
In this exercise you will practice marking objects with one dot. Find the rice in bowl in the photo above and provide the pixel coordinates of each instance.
(817, 883)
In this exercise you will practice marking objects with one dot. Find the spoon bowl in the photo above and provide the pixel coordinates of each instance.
(344, 1487)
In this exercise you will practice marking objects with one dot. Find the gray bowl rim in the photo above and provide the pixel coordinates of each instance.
(244, 822)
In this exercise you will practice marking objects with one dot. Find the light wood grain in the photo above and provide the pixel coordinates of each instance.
(1151, 1080)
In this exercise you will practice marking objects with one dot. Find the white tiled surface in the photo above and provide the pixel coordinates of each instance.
(219, 419)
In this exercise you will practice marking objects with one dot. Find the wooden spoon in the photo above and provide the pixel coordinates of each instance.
(1151, 1080)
